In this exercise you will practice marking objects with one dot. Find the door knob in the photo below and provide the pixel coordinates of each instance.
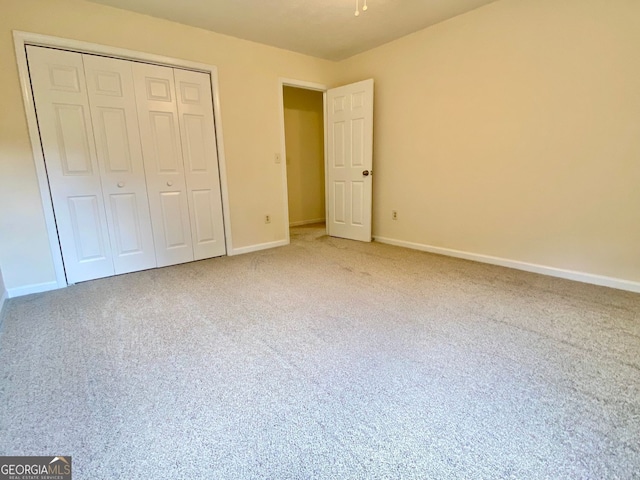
(120, 184)
(169, 184)
(365, 173)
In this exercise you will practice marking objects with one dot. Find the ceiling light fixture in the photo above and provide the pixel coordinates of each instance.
(364, 7)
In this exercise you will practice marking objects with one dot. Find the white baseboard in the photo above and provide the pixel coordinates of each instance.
(3, 298)
(527, 267)
(259, 246)
(29, 289)
(306, 222)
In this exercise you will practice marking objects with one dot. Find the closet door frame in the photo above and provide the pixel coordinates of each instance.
(21, 39)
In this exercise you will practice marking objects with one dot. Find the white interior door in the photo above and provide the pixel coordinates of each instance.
(59, 90)
(164, 169)
(350, 160)
(197, 130)
(115, 123)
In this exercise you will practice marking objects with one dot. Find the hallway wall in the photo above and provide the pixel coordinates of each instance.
(304, 134)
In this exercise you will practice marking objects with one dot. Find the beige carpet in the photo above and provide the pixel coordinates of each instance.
(325, 359)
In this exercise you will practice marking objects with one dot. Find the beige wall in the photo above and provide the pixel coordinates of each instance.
(248, 75)
(304, 134)
(513, 131)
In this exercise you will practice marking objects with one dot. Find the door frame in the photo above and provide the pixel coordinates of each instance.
(317, 87)
(21, 39)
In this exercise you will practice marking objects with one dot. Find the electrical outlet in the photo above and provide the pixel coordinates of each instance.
(394, 215)
(267, 219)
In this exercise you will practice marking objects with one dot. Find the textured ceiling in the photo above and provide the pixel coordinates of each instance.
(321, 28)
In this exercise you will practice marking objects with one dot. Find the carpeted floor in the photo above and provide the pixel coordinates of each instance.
(326, 359)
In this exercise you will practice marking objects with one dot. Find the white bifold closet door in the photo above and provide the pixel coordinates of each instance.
(195, 111)
(115, 127)
(131, 161)
(176, 113)
(66, 134)
(160, 134)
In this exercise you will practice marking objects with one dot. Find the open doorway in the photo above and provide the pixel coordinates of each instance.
(303, 110)
(346, 119)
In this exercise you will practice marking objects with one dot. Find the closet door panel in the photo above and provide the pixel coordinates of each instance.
(59, 90)
(164, 168)
(173, 219)
(197, 130)
(84, 213)
(115, 119)
(205, 219)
